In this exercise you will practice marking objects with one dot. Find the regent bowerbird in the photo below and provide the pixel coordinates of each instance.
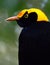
(34, 39)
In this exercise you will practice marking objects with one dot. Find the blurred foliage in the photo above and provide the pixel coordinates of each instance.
(9, 31)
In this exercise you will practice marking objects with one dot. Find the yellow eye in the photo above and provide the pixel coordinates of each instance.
(26, 16)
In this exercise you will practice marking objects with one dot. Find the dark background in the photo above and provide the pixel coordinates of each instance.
(9, 31)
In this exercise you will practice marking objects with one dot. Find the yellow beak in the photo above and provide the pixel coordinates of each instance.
(12, 18)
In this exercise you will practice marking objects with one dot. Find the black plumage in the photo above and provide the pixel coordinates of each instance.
(34, 44)
(34, 41)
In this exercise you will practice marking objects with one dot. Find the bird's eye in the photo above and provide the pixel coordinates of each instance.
(26, 16)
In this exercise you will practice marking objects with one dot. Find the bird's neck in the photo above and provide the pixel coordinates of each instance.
(38, 25)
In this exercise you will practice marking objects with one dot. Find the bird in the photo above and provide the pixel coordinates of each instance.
(34, 39)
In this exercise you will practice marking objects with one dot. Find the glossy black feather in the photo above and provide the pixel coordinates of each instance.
(34, 41)
(34, 44)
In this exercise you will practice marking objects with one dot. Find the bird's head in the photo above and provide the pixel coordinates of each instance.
(29, 16)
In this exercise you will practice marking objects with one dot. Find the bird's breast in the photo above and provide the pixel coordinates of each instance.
(34, 44)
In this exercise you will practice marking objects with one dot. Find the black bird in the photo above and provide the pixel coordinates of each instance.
(34, 40)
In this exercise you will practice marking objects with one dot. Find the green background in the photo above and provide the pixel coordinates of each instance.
(9, 31)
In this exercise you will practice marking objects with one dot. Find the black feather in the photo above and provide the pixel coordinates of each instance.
(34, 41)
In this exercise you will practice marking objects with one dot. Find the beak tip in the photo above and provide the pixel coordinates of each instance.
(6, 19)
